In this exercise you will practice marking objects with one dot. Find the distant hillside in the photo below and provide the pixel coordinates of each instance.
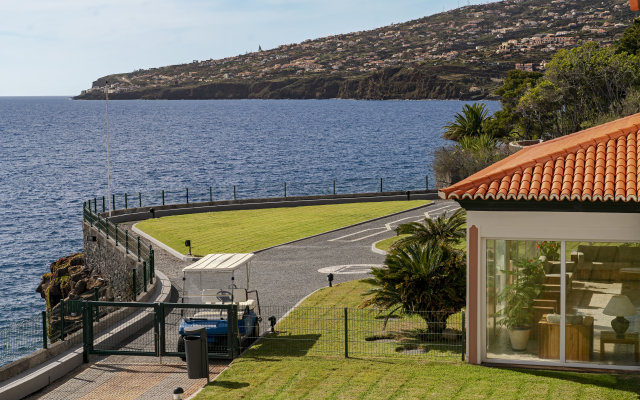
(459, 54)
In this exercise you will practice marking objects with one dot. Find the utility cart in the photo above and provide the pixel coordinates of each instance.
(221, 279)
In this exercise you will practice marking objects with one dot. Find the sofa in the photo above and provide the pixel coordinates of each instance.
(604, 263)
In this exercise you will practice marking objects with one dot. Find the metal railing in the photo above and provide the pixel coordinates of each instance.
(132, 245)
(318, 331)
(363, 332)
(23, 336)
(255, 190)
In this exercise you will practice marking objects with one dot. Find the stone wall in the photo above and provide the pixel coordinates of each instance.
(112, 262)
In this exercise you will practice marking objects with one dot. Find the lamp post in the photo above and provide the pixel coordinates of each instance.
(106, 94)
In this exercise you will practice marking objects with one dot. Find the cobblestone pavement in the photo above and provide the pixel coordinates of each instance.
(282, 275)
(127, 377)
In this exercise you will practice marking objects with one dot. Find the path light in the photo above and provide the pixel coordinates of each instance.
(272, 321)
(153, 212)
(187, 243)
(178, 393)
(330, 279)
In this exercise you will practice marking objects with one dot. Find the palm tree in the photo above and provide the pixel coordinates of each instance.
(428, 281)
(441, 230)
(468, 123)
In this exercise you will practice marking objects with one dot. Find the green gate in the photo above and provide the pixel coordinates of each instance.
(150, 329)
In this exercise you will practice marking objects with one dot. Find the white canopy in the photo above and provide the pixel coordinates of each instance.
(220, 262)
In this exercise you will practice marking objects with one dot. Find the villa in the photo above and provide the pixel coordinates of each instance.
(553, 267)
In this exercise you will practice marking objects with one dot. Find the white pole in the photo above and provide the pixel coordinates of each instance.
(106, 92)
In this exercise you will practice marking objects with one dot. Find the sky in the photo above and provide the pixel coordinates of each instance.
(59, 47)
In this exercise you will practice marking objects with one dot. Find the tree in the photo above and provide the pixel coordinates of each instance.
(442, 231)
(470, 122)
(428, 281)
(474, 153)
(579, 85)
(630, 41)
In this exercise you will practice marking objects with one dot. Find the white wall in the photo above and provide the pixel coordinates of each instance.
(572, 226)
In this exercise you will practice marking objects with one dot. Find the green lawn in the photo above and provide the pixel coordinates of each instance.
(386, 243)
(262, 373)
(250, 230)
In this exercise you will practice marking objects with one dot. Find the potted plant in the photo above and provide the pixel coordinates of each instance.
(551, 250)
(526, 276)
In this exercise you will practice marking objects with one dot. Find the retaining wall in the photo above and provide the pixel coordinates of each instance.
(112, 262)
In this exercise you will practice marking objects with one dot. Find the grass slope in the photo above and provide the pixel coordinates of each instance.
(250, 230)
(262, 373)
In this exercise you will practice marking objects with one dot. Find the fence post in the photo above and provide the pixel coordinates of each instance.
(90, 326)
(380, 185)
(85, 332)
(139, 199)
(346, 333)
(126, 201)
(234, 192)
(44, 329)
(334, 186)
(187, 195)
(126, 240)
(426, 182)
(96, 297)
(95, 205)
(106, 227)
(135, 286)
(138, 248)
(152, 264)
(62, 319)
(162, 196)
(115, 233)
(113, 202)
(103, 205)
(464, 336)
(144, 275)
(210, 194)
(161, 322)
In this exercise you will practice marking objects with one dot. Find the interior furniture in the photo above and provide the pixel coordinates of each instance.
(579, 339)
(606, 263)
(612, 337)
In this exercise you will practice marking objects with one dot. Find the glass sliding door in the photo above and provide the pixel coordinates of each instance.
(522, 298)
(603, 299)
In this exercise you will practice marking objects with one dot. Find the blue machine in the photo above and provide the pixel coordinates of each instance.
(221, 279)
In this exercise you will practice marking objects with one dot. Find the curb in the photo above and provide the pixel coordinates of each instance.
(44, 374)
(377, 250)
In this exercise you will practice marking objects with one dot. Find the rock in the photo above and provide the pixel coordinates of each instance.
(62, 271)
(77, 276)
(76, 259)
(80, 286)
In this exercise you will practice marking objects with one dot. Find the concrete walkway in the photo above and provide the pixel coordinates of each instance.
(283, 276)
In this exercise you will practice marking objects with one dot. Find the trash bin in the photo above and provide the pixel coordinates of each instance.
(195, 348)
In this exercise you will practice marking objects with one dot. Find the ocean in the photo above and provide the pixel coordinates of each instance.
(54, 158)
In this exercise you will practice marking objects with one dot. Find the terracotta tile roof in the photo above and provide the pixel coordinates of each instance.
(596, 164)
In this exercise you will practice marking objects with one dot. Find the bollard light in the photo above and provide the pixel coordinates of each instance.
(178, 393)
(187, 243)
(153, 212)
(272, 321)
(330, 279)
